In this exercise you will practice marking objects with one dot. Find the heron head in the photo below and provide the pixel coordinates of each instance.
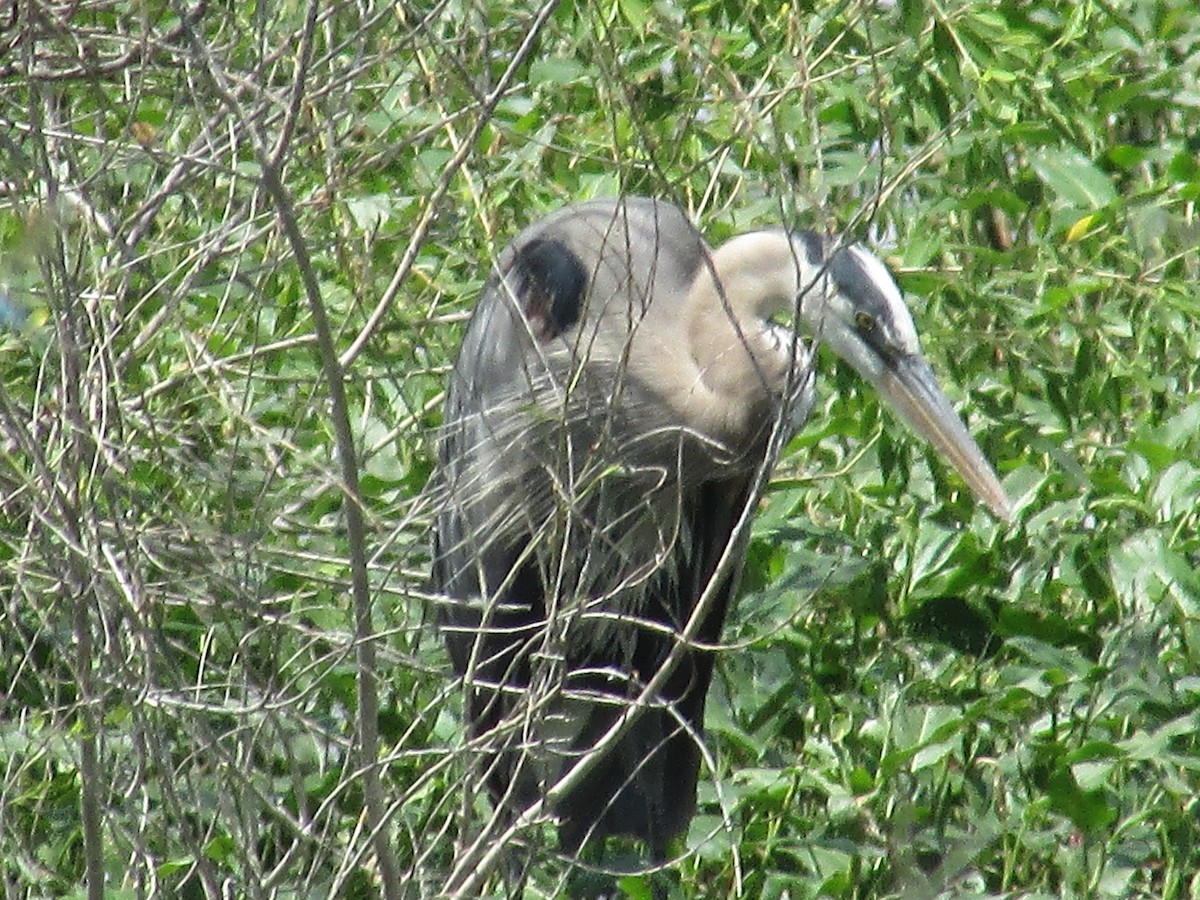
(850, 301)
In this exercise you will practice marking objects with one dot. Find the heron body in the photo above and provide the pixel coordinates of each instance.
(611, 403)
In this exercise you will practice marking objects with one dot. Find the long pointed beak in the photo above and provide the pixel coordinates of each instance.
(910, 386)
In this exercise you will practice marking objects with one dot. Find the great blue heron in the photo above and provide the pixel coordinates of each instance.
(609, 407)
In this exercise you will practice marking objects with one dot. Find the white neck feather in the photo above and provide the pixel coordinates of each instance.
(742, 359)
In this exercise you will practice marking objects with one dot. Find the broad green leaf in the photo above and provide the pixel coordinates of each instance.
(636, 12)
(1073, 178)
(556, 70)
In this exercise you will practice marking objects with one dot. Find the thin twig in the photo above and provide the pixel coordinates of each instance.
(334, 372)
(427, 214)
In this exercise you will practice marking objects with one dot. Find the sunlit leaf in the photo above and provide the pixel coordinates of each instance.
(1073, 178)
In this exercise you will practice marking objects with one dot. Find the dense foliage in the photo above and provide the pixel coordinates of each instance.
(237, 245)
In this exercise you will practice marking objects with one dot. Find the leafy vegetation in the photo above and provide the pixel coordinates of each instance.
(237, 246)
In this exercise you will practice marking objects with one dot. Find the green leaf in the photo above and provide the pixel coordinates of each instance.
(637, 887)
(556, 70)
(912, 17)
(1073, 178)
(1183, 427)
(636, 12)
(1089, 811)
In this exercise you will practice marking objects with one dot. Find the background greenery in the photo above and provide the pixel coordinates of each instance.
(237, 246)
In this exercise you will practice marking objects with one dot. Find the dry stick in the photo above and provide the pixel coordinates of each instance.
(368, 701)
(80, 588)
(80, 584)
(468, 144)
(83, 590)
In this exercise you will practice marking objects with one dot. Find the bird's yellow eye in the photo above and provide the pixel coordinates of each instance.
(865, 322)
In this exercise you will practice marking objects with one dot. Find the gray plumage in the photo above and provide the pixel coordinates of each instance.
(612, 399)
